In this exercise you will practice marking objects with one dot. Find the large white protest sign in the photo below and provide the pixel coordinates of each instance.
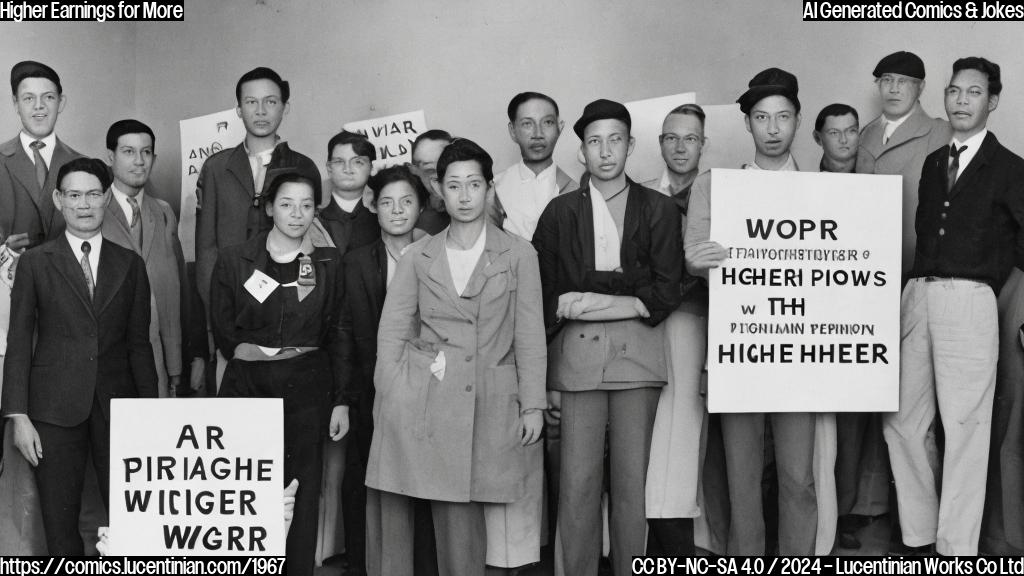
(805, 312)
(392, 135)
(201, 138)
(197, 477)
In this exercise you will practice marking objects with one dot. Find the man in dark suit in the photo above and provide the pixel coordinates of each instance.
(399, 197)
(232, 181)
(30, 161)
(138, 220)
(346, 218)
(84, 302)
(969, 220)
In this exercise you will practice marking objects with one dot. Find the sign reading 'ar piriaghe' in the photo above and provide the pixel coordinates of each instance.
(804, 314)
(197, 477)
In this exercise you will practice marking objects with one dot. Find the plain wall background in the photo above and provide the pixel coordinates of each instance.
(462, 60)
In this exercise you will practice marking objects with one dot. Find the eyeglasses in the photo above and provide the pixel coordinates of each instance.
(673, 139)
(357, 163)
(888, 81)
(92, 198)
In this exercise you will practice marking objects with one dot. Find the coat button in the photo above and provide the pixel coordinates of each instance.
(946, 204)
(469, 388)
(942, 231)
(469, 358)
(943, 215)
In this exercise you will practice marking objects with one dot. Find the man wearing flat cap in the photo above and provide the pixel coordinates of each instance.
(899, 139)
(772, 115)
(30, 161)
(610, 273)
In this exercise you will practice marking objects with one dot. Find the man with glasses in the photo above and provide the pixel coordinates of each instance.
(681, 140)
(837, 131)
(79, 337)
(899, 139)
(346, 217)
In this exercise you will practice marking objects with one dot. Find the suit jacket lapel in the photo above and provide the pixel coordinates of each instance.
(491, 262)
(988, 146)
(915, 126)
(238, 166)
(111, 273)
(378, 276)
(148, 216)
(64, 262)
(439, 274)
(631, 220)
(585, 227)
(25, 171)
(116, 224)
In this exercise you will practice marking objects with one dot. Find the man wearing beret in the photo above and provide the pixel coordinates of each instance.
(610, 273)
(899, 139)
(30, 161)
(772, 116)
(969, 220)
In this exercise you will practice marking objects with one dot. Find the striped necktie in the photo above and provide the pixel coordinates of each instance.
(41, 169)
(90, 283)
(136, 223)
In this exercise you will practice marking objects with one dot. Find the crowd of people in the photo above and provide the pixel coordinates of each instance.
(514, 359)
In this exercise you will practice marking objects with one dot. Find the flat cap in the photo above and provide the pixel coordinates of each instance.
(33, 69)
(601, 110)
(770, 82)
(905, 63)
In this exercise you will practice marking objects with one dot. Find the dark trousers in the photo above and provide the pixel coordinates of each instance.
(353, 484)
(60, 477)
(303, 383)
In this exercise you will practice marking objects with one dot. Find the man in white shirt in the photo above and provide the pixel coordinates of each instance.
(526, 187)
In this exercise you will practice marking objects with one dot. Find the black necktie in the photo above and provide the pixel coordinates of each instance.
(954, 166)
(87, 268)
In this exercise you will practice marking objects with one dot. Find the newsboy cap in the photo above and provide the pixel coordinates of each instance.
(33, 69)
(601, 110)
(770, 82)
(906, 63)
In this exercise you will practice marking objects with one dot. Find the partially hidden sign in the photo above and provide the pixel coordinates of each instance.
(391, 135)
(197, 477)
(805, 313)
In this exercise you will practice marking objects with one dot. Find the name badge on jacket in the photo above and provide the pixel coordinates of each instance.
(260, 285)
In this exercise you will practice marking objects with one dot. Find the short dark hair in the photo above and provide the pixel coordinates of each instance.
(262, 73)
(361, 145)
(290, 178)
(524, 97)
(440, 135)
(464, 150)
(986, 67)
(689, 110)
(399, 173)
(92, 166)
(837, 109)
(122, 127)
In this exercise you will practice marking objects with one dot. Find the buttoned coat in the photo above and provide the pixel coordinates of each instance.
(165, 267)
(229, 211)
(24, 207)
(457, 438)
(83, 348)
(903, 154)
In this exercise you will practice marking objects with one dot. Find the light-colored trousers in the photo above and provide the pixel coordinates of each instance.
(949, 346)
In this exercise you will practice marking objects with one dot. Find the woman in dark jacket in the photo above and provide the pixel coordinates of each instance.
(275, 303)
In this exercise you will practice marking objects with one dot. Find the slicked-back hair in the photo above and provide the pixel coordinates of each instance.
(464, 150)
(122, 127)
(290, 178)
(689, 110)
(262, 73)
(837, 109)
(440, 135)
(361, 145)
(92, 166)
(399, 173)
(524, 97)
(986, 67)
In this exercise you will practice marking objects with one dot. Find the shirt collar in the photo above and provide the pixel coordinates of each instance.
(122, 200)
(95, 241)
(789, 166)
(526, 175)
(266, 154)
(47, 151)
(972, 143)
(896, 123)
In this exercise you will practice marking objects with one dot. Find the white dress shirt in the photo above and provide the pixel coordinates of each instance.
(463, 262)
(524, 195)
(95, 245)
(973, 145)
(122, 201)
(46, 151)
(890, 126)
